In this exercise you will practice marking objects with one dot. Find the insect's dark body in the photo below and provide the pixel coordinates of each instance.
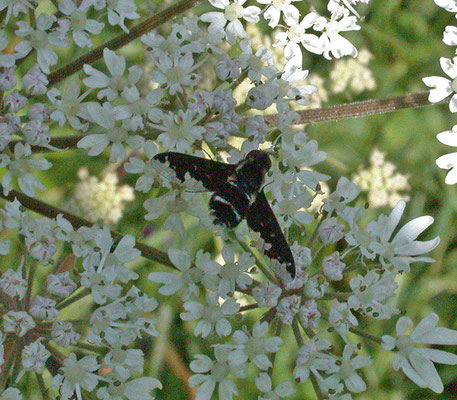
(237, 196)
(231, 203)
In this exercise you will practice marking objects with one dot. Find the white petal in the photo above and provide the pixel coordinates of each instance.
(448, 137)
(440, 356)
(447, 161)
(448, 67)
(413, 229)
(417, 247)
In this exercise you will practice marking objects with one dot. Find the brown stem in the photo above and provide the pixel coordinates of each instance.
(121, 40)
(332, 113)
(359, 108)
(51, 212)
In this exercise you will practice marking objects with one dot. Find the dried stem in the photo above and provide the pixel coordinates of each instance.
(360, 108)
(51, 212)
(121, 40)
(348, 110)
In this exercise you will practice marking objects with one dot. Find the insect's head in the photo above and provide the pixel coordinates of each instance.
(260, 158)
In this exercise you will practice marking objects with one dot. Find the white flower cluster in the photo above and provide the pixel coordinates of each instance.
(99, 200)
(119, 110)
(32, 326)
(442, 88)
(381, 183)
(353, 74)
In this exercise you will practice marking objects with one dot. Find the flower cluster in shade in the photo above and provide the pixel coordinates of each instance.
(353, 74)
(99, 200)
(381, 183)
(444, 88)
(113, 314)
(129, 116)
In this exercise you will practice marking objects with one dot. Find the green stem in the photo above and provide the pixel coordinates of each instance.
(249, 307)
(366, 335)
(44, 392)
(316, 387)
(70, 300)
(297, 333)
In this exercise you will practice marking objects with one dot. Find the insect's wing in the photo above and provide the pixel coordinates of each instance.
(261, 218)
(212, 174)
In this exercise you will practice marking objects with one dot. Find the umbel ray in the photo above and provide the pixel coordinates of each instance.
(237, 195)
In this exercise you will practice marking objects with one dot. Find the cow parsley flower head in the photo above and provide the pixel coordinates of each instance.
(383, 185)
(102, 199)
(417, 362)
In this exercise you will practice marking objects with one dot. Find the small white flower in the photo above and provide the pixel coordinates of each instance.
(287, 308)
(114, 85)
(312, 357)
(371, 292)
(34, 356)
(14, 7)
(346, 371)
(210, 316)
(12, 283)
(179, 130)
(17, 322)
(231, 16)
(443, 87)
(417, 362)
(333, 267)
(402, 249)
(60, 284)
(341, 317)
(448, 5)
(175, 72)
(70, 106)
(11, 393)
(266, 294)
(78, 22)
(41, 39)
(76, 375)
(255, 346)
(43, 308)
(233, 273)
(21, 168)
(118, 11)
(63, 334)
(273, 12)
(264, 384)
(135, 389)
(210, 373)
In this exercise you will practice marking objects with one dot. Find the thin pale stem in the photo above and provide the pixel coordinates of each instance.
(121, 40)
